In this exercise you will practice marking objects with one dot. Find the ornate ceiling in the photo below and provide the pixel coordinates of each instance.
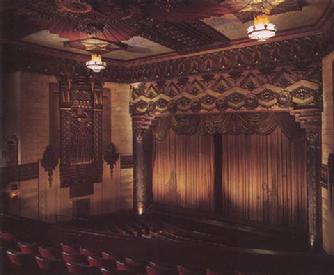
(131, 29)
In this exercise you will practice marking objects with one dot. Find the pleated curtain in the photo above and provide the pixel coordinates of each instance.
(263, 176)
(264, 179)
(183, 171)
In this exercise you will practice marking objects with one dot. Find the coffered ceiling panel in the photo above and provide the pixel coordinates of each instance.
(135, 29)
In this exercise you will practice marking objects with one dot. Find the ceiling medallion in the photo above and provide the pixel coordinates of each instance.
(96, 64)
(262, 29)
(74, 6)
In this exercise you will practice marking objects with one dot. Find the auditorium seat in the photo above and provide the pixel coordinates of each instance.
(50, 265)
(27, 248)
(68, 248)
(87, 252)
(81, 269)
(94, 261)
(49, 252)
(99, 262)
(73, 258)
(107, 271)
(22, 261)
(138, 266)
(8, 240)
(122, 266)
(7, 236)
(157, 269)
(108, 256)
(183, 270)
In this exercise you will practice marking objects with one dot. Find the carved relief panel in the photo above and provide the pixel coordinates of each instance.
(81, 134)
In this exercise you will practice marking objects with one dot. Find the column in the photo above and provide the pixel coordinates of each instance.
(314, 188)
(142, 170)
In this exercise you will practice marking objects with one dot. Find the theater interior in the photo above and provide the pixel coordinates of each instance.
(167, 137)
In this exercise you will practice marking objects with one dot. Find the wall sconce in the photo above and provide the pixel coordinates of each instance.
(140, 208)
(14, 194)
(49, 162)
(111, 155)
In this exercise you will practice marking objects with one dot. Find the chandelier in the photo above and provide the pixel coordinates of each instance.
(96, 64)
(262, 28)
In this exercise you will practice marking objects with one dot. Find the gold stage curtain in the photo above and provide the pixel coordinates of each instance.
(264, 179)
(227, 123)
(183, 173)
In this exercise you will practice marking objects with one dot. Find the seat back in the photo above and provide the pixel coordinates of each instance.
(27, 248)
(22, 261)
(108, 256)
(14, 258)
(94, 261)
(7, 236)
(48, 252)
(72, 258)
(138, 266)
(88, 252)
(107, 271)
(122, 266)
(42, 263)
(68, 248)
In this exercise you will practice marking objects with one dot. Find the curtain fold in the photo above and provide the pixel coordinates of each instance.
(264, 179)
(263, 166)
(183, 171)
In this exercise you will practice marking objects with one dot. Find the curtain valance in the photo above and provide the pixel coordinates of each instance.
(228, 123)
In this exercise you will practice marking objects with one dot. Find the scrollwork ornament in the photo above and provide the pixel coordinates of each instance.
(111, 155)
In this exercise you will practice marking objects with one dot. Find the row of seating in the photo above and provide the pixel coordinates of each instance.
(68, 258)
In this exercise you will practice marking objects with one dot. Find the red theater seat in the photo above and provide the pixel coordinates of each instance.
(122, 266)
(107, 271)
(108, 256)
(49, 264)
(156, 269)
(73, 258)
(7, 236)
(68, 248)
(27, 248)
(87, 252)
(138, 266)
(94, 261)
(49, 252)
(81, 269)
(22, 261)
(8, 240)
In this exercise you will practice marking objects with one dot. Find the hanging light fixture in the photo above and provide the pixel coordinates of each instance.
(96, 64)
(262, 29)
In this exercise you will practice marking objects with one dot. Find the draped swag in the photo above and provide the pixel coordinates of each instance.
(183, 171)
(228, 123)
(263, 166)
